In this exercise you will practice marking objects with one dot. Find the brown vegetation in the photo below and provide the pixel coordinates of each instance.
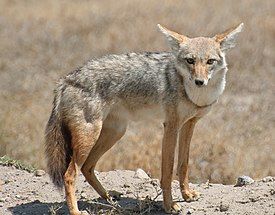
(42, 40)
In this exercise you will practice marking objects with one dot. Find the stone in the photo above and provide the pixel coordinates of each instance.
(223, 207)
(141, 174)
(155, 182)
(7, 181)
(126, 185)
(39, 173)
(189, 211)
(254, 198)
(18, 196)
(206, 185)
(268, 179)
(83, 195)
(244, 180)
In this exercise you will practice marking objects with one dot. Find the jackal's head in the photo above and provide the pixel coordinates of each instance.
(200, 58)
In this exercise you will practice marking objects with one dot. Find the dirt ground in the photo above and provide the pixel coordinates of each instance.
(22, 192)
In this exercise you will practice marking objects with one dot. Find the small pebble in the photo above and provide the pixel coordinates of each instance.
(189, 211)
(254, 198)
(84, 195)
(206, 185)
(18, 196)
(126, 185)
(268, 179)
(39, 172)
(223, 207)
(128, 192)
(155, 182)
(244, 180)
(7, 181)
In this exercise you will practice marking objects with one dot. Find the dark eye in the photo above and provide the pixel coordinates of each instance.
(211, 61)
(190, 60)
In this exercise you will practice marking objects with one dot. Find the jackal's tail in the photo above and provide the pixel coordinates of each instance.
(57, 144)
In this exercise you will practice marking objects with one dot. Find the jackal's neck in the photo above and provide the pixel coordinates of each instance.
(203, 96)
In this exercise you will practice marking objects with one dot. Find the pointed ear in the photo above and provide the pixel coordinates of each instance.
(173, 38)
(227, 39)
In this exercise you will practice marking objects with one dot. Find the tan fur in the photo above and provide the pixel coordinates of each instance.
(185, 136)
(93, 105)
(200, 71)
(69, 181)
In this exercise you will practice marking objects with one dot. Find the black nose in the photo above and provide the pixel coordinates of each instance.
(199, 82)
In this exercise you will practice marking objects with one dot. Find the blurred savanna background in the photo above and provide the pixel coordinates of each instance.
(43, 40)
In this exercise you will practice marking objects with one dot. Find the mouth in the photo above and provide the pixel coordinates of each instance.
(200, 86)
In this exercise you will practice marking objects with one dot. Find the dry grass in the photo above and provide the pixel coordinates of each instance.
(42, 40)
(7, 161)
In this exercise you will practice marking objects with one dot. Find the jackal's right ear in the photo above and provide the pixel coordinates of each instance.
(173, 38)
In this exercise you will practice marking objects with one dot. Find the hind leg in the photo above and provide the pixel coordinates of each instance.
(69, 181)
(84, 135)
(113, 129)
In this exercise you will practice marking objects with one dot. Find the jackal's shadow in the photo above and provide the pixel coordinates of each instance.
(95, 206)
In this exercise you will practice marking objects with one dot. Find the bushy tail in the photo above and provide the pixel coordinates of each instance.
(57, 145)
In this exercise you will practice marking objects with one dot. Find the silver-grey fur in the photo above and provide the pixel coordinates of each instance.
(131, 86)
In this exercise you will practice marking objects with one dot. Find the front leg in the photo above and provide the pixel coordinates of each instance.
(168, 152)
(185, 136)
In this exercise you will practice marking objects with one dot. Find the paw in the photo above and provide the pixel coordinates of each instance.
(190, 195)
(113, 197)
(174, 208)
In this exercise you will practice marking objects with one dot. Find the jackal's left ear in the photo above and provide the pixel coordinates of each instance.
(227, 39)
(173, 38)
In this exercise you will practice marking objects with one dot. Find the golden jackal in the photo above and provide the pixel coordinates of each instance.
(94, 103)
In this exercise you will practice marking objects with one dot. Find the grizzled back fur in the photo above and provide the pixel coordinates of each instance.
(128, 83)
